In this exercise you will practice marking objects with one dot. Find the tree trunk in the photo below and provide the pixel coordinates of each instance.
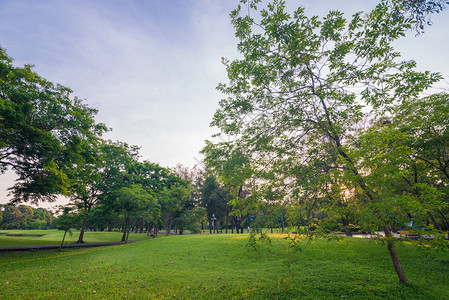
(168, 225)
(394, 256)
(390, 245)
(345, 222)
(83, 228)
(127, 236)
(125, 228)
(282, 220)
(63, 238)
(227, 221)
(141, 226)
(435, 223)
(124, 235)
(444, 219)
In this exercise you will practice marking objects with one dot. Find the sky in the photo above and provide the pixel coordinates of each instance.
(151, 66)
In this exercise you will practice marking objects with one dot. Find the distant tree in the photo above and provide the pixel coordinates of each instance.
(232, 170)
(134, 203)
(12, 218)
(154, 179)
(102, 172)
(27, 215)
(195, 176)
(42, 219)
(102, 217)
(190, 219)
(215, 200)
(66, 221)
(173, 201)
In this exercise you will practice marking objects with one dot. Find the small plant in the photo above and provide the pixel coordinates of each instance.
(256, 239)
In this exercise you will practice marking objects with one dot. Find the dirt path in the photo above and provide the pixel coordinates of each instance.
(56, 246)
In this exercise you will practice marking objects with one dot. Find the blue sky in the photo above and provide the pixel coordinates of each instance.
(151, 67)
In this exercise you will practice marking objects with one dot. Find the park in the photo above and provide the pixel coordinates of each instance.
(221, 266)
(324, 175)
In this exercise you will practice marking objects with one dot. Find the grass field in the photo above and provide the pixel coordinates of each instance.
(221, 267)
(48, 237)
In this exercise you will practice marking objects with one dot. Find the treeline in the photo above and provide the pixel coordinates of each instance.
(25, 217)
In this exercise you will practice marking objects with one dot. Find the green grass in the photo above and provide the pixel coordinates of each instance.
(48, 237)
(221, 267)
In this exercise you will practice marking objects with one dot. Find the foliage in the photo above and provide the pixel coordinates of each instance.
(295, 101)
(418, 10)
(39, 123)
(195, 176)
(189, 219)
(66, 221)
(173, 202)
(25, 217)
(135, 203)
(101, 172)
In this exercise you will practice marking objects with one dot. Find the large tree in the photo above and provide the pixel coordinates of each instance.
(39, 120)
(303, 83)
(102, 171)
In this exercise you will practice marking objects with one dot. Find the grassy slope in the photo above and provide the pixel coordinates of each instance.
(220, 266)
(31, 237)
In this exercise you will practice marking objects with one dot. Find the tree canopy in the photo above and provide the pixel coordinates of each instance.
(39, 123)
(297, 99)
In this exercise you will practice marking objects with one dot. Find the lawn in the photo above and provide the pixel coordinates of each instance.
(221, 267)
(48, 237)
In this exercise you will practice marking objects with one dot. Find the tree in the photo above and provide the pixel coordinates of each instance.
(12, 217)
(38, 122)
(190, 219)
(101, 172)
(195, 176)
(304, 81)
(230, 166)
(66, 221)
(215, 200)
(424, 121)
(134, 203)
(42, 219)
(173, 201)
(27, 214)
